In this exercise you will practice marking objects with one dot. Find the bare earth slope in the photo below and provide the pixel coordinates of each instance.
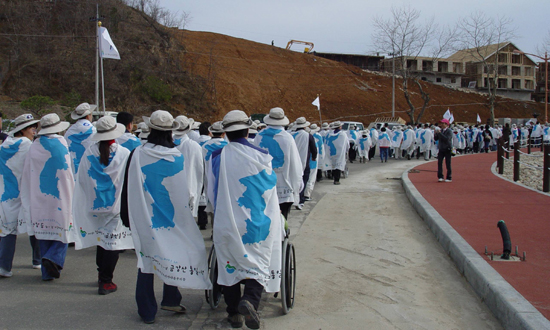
(255, 77)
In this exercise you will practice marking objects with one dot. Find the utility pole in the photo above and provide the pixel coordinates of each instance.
(393, 85)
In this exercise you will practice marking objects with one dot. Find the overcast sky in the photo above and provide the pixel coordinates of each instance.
(345, 26)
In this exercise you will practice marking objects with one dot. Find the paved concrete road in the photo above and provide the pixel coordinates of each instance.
(365, 260)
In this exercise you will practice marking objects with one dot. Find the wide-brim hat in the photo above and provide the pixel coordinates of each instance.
(185, 125)
(276, 117)
(108, 129)
(216, 128)
(301, 123)
(314, 128)
(236, 120)
(196, 124)
(325, 126)
(82, 110)
(161, 120)
(50, 124)
(22, 122)
(336, 124)
(253, 129)
(143, 135)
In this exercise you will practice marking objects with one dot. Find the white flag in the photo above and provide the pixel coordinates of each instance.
(451, 119)
(478, 119)
(316, 103)
(107, 48)
(447, 115)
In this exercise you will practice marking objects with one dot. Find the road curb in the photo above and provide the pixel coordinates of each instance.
(509, 307)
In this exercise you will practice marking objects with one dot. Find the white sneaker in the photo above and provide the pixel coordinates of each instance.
(36, 266)
(440, 180)
(448, 180)
(299, 206)
(5, 273)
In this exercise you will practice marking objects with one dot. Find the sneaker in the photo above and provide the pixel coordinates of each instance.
(51, 268)
(251, 317)
(176, 309)
(307, 198)
(106, 288)
(149, 321)
(236, 320)
(448, 180)
(336, 182)
(5, 273)
(440, 180)
(299, 206)
(36, 266)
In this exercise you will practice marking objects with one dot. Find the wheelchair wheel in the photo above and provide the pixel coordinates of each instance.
(288, 279)
(214, 295)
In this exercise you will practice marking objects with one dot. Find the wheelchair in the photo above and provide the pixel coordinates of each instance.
(287, 289)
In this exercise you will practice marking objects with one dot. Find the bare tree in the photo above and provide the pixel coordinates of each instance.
(405, 35)
(545, 47)
(481, 37)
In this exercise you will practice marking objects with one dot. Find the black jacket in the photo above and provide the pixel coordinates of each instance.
(445, 139)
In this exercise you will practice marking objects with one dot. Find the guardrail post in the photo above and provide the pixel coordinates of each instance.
(529, 143)
(545, 170)
(500, 154)
(508, 147)
(516, 162)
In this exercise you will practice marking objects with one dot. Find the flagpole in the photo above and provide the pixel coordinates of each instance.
(102, 87)
(97, 57)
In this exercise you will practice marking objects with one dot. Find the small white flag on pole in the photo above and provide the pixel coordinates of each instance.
(317, 103)
(447, 115)
(107, 48)
(452, 118)
(478, 119)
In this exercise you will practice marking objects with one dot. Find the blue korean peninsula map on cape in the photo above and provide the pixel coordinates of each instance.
(211, 147)
(77, 147)
(257, 228)
(155, 173)
(105, 190)
(48, 176)
(11, 187)
(268, 142)
(131, 143)
(330, 143)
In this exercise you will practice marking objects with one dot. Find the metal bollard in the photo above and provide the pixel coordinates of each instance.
(546, 171)
(529, 143)
(500, 154)
(506, 242)
(516, 161)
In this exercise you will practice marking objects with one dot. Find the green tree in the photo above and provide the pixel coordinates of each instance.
(157, 89)
(37, 104)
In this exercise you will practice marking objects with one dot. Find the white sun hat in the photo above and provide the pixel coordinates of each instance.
(107, 129)
(301, 123)
(82, 110)
(161, 120)
(336, 124)
(276, 117)
(22, 122)
(314, 128)
(185, 125)
(216, 128)
(236, 120)
(51, 123)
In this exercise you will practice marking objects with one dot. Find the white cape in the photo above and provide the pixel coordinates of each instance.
(78, 140)
(193, 168)
(426, 140)
(286, 161)
(247, 223)
(47, 189)
(12, 158)
(129, 141)
(364, 146)
(301, 138)
(336, 146)
(397, 139)
(166, 238)
(408, 139)
(96, 203)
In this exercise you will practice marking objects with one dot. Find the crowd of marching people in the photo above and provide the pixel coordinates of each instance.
(105, 185)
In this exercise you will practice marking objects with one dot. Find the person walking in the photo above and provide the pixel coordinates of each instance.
(286, 158)
(445, 139)
(47, 186)
(78, 135)
(247, 223)
(384, 144)
(96, 203)
(167, 241)
(336, 146)
(307, 150)
(12, 158)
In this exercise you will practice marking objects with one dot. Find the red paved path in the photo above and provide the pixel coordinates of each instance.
(473, 204)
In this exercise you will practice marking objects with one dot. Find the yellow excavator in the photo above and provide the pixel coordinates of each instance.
(306, 50)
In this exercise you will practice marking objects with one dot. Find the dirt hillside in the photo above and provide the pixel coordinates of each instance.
(254, 77)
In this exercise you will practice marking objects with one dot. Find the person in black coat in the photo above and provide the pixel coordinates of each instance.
(445, 146)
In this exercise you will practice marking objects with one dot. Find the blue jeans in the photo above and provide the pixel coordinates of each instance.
(145, 296)
(54, 251)
(384, 153)
(7, 251)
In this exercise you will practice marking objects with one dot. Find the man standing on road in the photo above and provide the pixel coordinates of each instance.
(445, 138)
(307, 150)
